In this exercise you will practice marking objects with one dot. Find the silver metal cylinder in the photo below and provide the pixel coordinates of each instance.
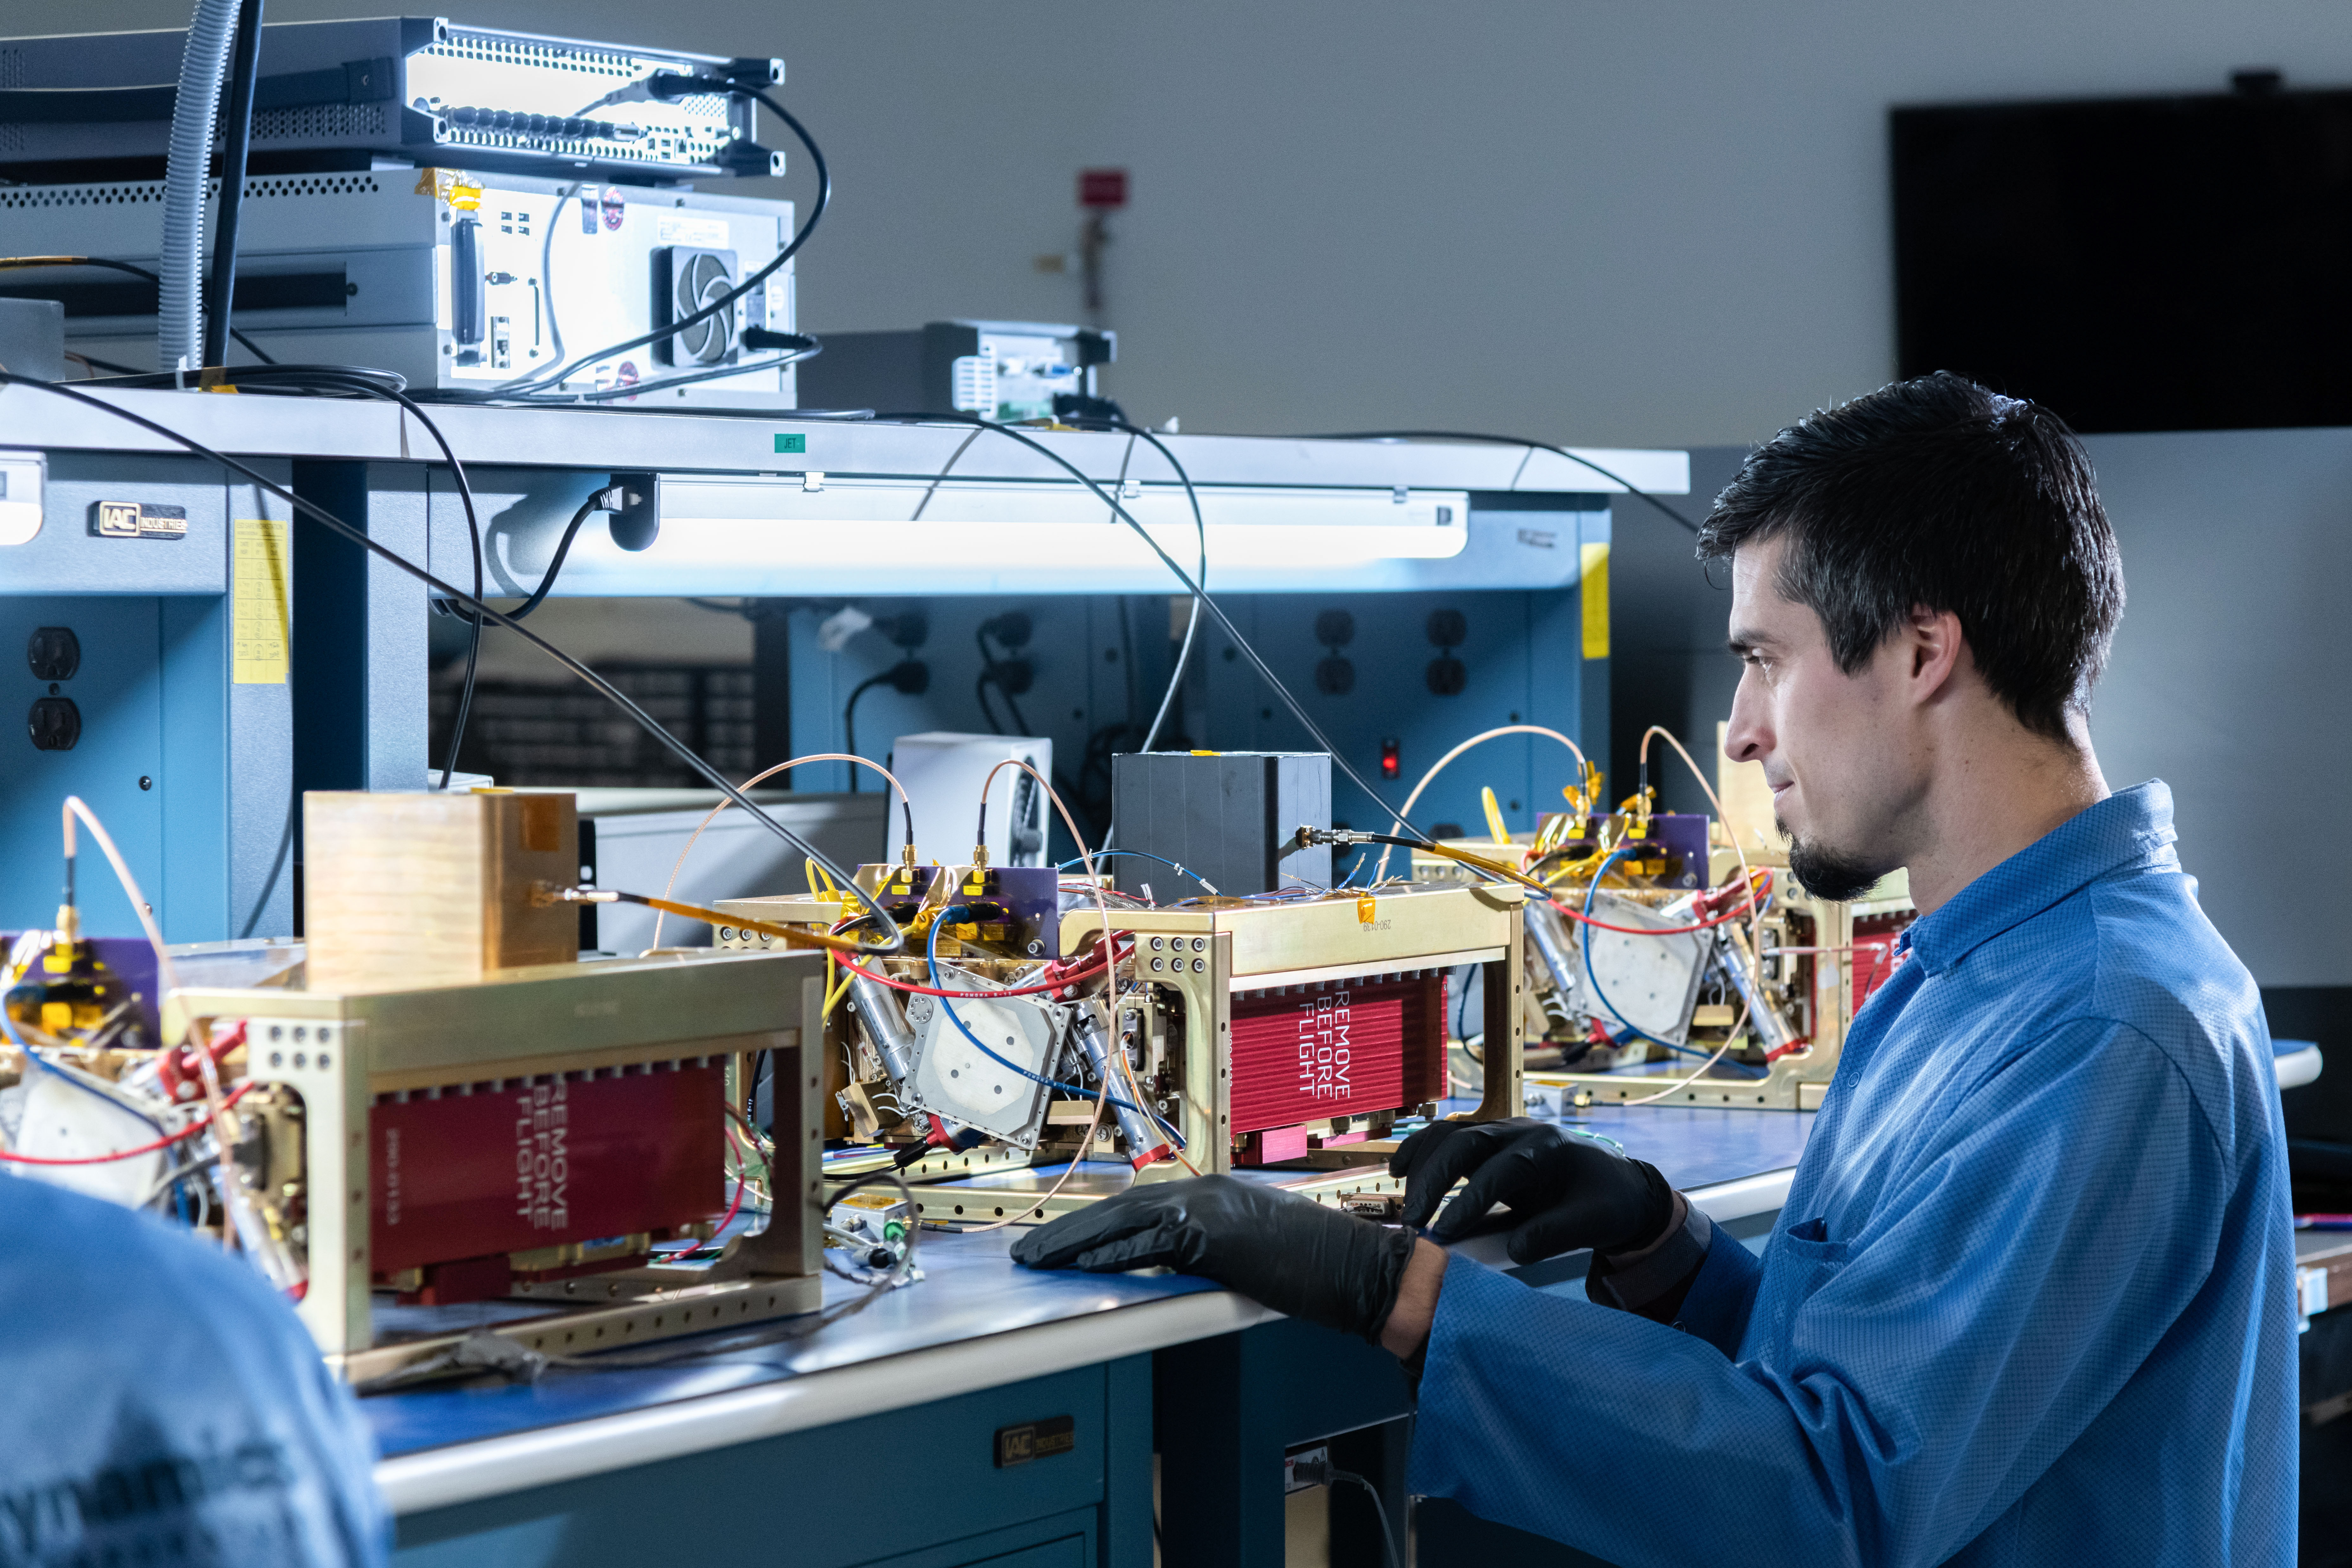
(1548, 930)
(1142, 1134)
(878, 1013)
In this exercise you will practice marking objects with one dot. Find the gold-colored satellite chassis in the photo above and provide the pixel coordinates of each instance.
(1256, 947)
(1797, 1081)
(338, 1052)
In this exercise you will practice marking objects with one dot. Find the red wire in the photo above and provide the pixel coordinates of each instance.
(163, 1142)
(1069, 978)
(1742, 912)
(177, 1067)
(725, 1220)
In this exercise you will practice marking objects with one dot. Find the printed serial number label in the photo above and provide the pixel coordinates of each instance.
(1035, 1440)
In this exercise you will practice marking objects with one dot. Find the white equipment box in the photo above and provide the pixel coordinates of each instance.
(943, 771)
(454, 279)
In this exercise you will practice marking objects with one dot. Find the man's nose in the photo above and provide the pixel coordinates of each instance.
(1750, 736)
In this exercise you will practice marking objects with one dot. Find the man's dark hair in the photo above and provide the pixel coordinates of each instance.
(1940, 494)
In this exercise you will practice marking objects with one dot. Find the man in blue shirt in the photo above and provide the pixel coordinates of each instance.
(159, 1405)
(2030, 1299)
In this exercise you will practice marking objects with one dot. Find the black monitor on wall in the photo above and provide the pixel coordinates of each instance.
(2134, 264)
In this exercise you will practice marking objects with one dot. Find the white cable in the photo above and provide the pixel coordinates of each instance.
(1405, 813)
(755, 778)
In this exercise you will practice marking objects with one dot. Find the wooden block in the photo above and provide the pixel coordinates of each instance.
(407, 890)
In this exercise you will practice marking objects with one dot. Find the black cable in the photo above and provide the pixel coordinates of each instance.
(1380, 1511)
(1631, 488)
(556, 375)
(25, 263)
(600, 501)
(990, 676)
(238, 115)
(1214, 609)
(474, 543)
(849, 733)
(1200, 528)
(895, 940)
(362, 382)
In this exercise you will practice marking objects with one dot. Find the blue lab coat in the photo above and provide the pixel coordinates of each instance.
(2030, 1301)
(160, 1405)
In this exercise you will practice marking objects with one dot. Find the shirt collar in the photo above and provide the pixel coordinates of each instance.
(2124, 828)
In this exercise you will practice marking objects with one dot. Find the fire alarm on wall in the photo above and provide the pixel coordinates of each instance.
(1102, 189)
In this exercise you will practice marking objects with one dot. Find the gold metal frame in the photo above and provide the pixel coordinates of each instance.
(338, 1052)
(1257, 946)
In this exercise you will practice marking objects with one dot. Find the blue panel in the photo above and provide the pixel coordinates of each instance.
(193, 781)
(863, 1491)
(65, 557)
(119, 690)
(1522, 654)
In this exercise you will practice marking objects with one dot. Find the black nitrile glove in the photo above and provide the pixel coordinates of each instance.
(1563, 1191)
(1293, 1254)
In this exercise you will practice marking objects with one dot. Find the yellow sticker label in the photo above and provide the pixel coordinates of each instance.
(1594, 582)
(1365, 909)
(260, 574)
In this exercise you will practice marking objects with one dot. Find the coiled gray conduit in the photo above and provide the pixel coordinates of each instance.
(179, 322)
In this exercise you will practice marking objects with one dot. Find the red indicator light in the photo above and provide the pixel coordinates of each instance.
(1392, 765)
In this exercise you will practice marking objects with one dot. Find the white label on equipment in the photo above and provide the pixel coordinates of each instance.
(705, 232)
(445, 315)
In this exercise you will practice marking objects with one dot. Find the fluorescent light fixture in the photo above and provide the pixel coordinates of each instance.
(817, 522)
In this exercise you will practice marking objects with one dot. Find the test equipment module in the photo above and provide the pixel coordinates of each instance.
(463, 206)
(408, 89)
(456, 280)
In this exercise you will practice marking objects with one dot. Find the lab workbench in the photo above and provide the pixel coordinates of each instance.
(883, 1438)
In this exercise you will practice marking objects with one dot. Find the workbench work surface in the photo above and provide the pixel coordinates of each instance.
(975, 1320)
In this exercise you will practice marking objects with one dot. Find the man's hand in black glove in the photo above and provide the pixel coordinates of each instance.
(1294, 1255)
(1563, 1191)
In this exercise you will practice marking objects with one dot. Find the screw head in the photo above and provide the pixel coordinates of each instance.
(146, 782)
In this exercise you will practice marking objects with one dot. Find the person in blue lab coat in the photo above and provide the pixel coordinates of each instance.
(160, 1405)
(2031, 1298)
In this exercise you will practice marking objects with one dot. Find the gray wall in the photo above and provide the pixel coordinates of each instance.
(2226, 680)
(1641, 225)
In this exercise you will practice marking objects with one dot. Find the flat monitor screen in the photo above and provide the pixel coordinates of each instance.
(2134, 264)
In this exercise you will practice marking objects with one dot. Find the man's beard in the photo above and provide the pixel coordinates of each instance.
(1827, 873)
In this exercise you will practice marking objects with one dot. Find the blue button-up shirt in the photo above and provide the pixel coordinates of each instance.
(2030, 1299)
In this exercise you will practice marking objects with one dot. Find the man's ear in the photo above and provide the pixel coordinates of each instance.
(1933, 650)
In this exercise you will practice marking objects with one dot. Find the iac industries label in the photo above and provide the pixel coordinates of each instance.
(137, 520)
(542, 1168)
(1323, 1054)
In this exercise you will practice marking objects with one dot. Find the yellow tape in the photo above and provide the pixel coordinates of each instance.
(1594, 584)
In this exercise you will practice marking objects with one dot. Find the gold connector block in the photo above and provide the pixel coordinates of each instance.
(407, 891)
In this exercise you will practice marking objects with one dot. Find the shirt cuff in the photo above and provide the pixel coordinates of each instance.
(1655, 1287)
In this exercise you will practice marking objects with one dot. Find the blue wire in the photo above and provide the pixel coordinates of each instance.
(931, 960)
(1107, 854)
(1585, 941)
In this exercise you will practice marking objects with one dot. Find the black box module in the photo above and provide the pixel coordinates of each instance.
(998, 370)
(1228, 815)
(415, 89)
